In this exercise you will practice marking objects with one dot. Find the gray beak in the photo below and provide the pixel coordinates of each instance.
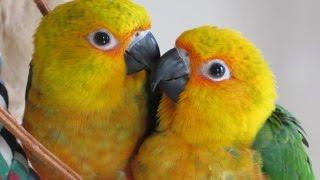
(171, 75)
(143, 54)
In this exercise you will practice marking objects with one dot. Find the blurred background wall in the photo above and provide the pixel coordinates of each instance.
(287, 32)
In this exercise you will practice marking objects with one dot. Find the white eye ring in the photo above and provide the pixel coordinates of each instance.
(216, 70)
(102, 39)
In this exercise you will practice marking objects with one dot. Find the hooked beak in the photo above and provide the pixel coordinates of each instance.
(171, 74)
(142, 53)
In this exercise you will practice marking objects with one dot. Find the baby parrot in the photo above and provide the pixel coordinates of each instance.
(86, 96)
(218, 118)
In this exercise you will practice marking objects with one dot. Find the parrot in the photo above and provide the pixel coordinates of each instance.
(87, 93)
(218, 117)
(13, 161)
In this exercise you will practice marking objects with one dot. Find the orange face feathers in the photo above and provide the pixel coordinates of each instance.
(230, 89)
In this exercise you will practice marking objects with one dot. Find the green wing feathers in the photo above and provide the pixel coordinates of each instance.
(282, 145)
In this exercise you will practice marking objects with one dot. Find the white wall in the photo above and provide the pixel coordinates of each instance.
(287, 31)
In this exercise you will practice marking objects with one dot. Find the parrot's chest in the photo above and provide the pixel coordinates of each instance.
(181, 160)
(97, 145)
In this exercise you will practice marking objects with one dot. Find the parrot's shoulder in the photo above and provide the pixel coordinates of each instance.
(282, 145)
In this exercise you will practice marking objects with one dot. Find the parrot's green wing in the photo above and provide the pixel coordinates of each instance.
(282, 145)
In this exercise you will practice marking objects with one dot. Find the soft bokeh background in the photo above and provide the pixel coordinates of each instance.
(287, 32)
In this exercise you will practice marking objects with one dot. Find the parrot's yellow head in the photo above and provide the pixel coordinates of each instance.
(223, 88)
(86, 50)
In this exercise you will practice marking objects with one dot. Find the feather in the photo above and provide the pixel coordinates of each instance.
(282, 145)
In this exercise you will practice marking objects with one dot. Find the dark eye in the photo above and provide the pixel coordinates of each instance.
(216, 70)
(102, 39)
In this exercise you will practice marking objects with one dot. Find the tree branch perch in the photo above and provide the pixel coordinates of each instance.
(35, 148)
(42, 6)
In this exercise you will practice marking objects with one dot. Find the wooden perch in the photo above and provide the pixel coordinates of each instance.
(35, 148)
(42, 6)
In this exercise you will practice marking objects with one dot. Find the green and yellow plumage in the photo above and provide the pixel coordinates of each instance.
(281, 143)
(81, 104)
(229, 129)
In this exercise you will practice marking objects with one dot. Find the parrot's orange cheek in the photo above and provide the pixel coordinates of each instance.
(231, 90)
(117, 51)
(202, 81)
